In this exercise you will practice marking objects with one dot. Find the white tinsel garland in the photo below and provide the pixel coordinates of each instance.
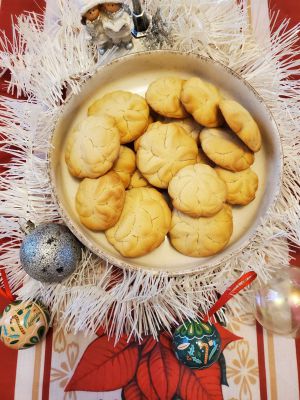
(42, 62)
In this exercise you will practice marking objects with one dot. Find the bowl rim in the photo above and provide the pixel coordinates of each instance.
(113, 259)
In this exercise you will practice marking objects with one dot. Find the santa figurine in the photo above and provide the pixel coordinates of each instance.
(116, 23)
(107, 22)
(91, 17)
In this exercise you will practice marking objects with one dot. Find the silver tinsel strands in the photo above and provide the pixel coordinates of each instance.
(159, 34)
(41, 62)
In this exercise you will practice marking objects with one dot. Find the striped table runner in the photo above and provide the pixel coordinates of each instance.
(260, 366)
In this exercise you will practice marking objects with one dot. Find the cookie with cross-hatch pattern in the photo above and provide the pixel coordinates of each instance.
(164, 150)
(163, 95)
(92, 147)
(225, 149)
(241, 186)
(129, 110)
(191, 127)
(143, 224)
(201, 99)
(99, 202)
(203, 236)
(197, 191)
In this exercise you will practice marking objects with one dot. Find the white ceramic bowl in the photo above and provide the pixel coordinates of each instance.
(134, 73)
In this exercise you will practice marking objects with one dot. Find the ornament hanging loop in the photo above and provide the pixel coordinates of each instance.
(245, 280)
(6, 292)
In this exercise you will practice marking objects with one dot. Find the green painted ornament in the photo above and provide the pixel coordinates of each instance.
(24, 324)
(197, 344)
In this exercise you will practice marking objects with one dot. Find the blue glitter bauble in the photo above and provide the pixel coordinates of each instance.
(197, 344)
(50, 253)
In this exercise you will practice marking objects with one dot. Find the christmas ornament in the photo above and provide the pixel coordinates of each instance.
(278, 303)
(50, 253)
(197, 344)
(23, 324)
(140, 20)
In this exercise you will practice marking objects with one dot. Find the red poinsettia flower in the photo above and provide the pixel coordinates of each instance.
(146, 371)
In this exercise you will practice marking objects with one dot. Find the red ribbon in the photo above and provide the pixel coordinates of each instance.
(6, 292)
(235, 288)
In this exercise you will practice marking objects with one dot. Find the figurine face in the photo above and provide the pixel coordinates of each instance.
(112, 7)
(92, 14)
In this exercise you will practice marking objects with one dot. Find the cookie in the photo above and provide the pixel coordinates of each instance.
(225, 149)
(137, 180)
(203, 159)
(144, 222)
(201, 237)
(191, 127)
(163, 96)
(153, 125)
(163, 151)
(124, 165)
(201, 99)
(197, 191)
(99, 202)
(242, 123)
(92, 147)
(129, 110)
(241, 186)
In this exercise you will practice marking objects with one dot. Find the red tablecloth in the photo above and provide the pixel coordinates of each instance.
(41, 381)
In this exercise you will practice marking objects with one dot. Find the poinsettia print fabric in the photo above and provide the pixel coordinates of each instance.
(258, 366)
(156, 374)
(147, 370)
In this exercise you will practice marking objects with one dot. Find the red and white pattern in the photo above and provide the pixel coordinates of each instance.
(260, 366)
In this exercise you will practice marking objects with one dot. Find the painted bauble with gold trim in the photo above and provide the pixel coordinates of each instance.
(24, 324)
(197, 344)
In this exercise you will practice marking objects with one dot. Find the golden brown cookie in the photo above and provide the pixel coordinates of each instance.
(196, 190)
(242, 123)
(92, 147)
(124, 165)
(163, 151)
(163, 95)
(191, 127)
(225, 149)
(241, 186)
(201, 237)
(129, 110)
(153, 125)
(203, 159)
(201, 99)
(144, 222)
(99, 202)
(137, 180)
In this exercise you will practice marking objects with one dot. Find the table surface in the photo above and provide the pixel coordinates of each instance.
(260, 366)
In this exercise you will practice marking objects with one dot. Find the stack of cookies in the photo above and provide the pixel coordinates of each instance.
(172, 164)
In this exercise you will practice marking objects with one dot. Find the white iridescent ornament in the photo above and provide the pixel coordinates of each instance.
(278, 303)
